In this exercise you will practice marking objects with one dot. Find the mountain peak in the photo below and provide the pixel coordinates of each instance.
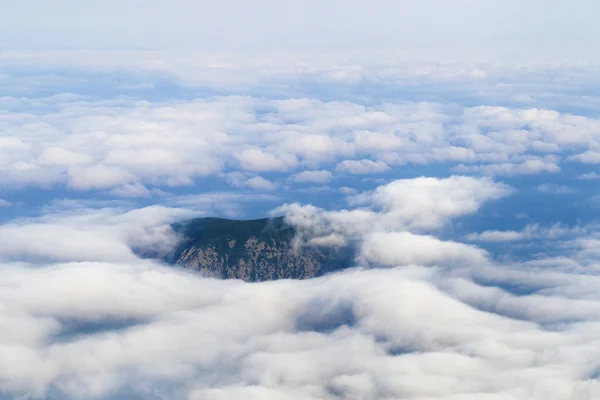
(252, 250)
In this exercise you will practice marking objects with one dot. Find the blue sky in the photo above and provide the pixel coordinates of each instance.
(456, 143)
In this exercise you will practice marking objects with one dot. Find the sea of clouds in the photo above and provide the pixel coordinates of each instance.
(101, 151)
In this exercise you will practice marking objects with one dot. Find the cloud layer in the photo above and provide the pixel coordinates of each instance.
(427, 165)
(429, 319)
(127, 147)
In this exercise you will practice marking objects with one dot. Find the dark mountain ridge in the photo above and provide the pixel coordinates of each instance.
(252, 250)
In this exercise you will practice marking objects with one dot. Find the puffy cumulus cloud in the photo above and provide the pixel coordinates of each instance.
(99, 177)
(259, 183)
(589, 157)
(386, 221)
(257, 160)
(361, 167)
(89, 143)
(318, 177)
(405, 248)
(82, 234)
(589, 176)
(426, 203)
(245, 180)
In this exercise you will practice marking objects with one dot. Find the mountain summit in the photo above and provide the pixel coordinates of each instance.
(252, 250)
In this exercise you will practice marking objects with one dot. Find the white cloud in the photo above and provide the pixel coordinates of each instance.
(555, 189)
(109, 144)
(405, 248)
(131, 190)
(361, 167)
(525, 168)
(259, 183)
(245, 180)
(589, 176)
(318, 177)
(498, 236)
(370, 334)
(83, 234)
(61, 156)
(416, 205)
(589, 157)
(82, 317)
(347, 190)
(427, 203)
(5, 203)
(533, 231)
(98, 176)
(257, 160)
(439, 326)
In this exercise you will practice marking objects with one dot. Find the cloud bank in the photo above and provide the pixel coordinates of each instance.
(464, 184)
(418, 317)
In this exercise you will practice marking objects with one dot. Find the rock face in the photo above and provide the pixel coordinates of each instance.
(255, 250)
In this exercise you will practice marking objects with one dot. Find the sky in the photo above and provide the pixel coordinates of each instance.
(456, 143)
(278, 25)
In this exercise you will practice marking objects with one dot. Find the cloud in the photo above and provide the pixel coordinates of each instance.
(83, 317)
(589, 157)
(361, 167)
(405, 248)
(498, 236)
(530, 232)
(83, 234)
(98, 176)
(427, 203)
(525, 168)
(318, 177)
(257, 160)
(260, 183)
(5, 203)
(246, 180)
(555, 189)
(99, 144)
(131, 190)
(589, 176)
(369, 333)
(415, 205)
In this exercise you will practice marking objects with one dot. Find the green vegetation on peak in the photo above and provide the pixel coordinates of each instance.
(252, 250)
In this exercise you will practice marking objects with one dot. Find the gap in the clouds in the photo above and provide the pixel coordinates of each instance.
(514, 287)
(72, 329)
(543, 199)
(325, 316)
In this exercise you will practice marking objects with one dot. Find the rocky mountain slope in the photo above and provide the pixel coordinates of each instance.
(252, 250)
